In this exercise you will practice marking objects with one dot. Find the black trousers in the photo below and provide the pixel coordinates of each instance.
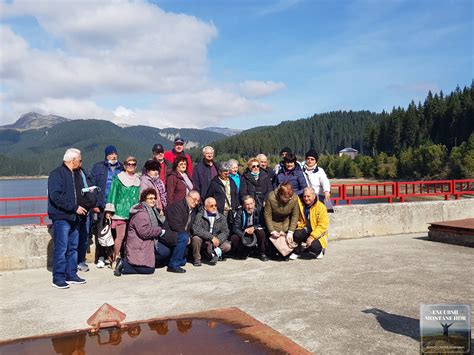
(300, 236)
(240, 249)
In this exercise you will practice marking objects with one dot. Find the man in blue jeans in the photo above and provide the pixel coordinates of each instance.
(64, 191)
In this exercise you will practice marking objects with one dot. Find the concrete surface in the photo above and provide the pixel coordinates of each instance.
(362, 298)
(28, 247)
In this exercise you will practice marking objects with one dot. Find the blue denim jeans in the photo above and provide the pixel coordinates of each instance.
(84, 228)
(162, 253)
(66, 238)
(177, 258)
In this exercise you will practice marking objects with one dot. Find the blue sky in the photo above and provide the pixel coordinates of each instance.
(234, 64)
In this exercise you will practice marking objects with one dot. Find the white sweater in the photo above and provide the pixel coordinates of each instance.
(317, 180)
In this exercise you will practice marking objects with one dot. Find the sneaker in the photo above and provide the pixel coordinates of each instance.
(294, 256)
(83, 267)
(100, 263)
(60, 284)
(263, 257)
(178, 270)
(76, 281)
(214, 260)
(197, 263)
(321, 255)
(118, 267)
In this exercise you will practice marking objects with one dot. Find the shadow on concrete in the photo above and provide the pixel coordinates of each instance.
(49, 258)
(397, 324)
(422, 238)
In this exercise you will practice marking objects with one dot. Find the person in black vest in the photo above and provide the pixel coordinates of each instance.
(248, 231)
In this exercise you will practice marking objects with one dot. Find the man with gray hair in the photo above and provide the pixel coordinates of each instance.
(210, 233)
(205, 171)
(67, 210)
(263, 161)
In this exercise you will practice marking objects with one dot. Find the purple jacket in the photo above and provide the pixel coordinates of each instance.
(140, 246)
(147, 182)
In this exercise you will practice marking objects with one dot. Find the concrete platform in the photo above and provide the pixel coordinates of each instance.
(458, 232)
(363, 297)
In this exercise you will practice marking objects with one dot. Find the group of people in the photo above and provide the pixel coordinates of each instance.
(171, 212)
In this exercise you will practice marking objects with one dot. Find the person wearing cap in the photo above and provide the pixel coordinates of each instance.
(151, 179)
(224, 190)
(210, 234)
(124, 193)
(248, 231)
(291, 173)
(205, 171)
(312, 227)
(178, 151)
(102, 174)
(159, 156)
(315, 176)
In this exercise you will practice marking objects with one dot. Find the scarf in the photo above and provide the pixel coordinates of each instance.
(153, 214)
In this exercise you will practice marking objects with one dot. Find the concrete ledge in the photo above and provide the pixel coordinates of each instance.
(358, 221)
(26, 247)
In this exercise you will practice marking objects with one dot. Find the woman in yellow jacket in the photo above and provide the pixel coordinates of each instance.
(312, 227)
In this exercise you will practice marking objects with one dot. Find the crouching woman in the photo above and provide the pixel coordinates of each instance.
(143, 229)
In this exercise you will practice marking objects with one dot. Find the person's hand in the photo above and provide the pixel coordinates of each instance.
(108, 215)
(162, 213)
(249, 230)
(96, 210)
(289, 238)
(309, 241)
(215, 242)
(282, 234)
(327, 195)
(81, 211)
(275, 234)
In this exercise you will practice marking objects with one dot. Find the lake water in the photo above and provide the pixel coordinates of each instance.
(22, 188)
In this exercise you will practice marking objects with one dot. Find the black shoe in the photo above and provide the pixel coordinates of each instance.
(178, 270)
(197, 263)
(118, 267)
(214, 260)
(263, 257)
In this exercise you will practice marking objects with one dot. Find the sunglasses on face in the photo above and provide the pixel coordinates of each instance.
(131, 164)
(213, 205)
(255, 166)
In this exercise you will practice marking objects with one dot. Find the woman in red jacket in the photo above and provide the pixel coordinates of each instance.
(178, 183)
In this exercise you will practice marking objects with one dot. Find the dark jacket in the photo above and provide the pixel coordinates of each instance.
(202, 176)
(241, 218)
(175, 187)
(202, 225)
(62, 195)
(217, 190)
(98, 178)
(177, 215)
(258, 189)
(140, 245)
(295, 177)
(270, 172)
(165, 169)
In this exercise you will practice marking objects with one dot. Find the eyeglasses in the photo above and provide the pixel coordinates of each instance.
(131, 164)
(310, 158)
(255, 166)
(151, 198)
(213, 205)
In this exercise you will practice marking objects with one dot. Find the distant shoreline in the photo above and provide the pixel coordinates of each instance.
(23, 177)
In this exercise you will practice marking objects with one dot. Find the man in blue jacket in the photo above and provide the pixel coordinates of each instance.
(101, 176)
(64, 209)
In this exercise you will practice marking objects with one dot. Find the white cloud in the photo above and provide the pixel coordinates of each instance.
(118, 49)
(254, 88)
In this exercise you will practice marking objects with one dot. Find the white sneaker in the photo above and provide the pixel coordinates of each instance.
(100, 263)
(321, 255)
(294, 256)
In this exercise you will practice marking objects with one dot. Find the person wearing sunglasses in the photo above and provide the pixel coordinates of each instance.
(124, 193)
(255, 182)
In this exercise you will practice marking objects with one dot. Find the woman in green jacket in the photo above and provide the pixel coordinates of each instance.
(124, 193)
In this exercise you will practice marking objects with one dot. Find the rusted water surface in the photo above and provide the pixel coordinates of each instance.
(223, 331)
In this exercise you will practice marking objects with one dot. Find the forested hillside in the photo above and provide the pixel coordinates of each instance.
(38, 151)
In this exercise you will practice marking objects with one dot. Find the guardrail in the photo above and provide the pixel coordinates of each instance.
(20, 207)
(391, 191)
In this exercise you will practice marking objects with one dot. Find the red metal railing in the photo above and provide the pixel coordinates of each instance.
(19, 205)
(340, 193)
(425, 188)
(463, 187)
